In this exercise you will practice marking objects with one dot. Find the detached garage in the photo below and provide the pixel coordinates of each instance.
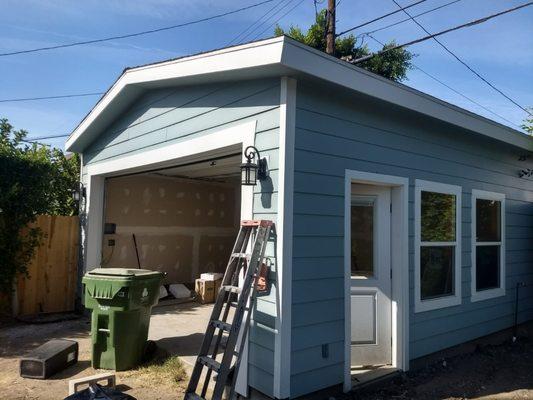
(403, 224)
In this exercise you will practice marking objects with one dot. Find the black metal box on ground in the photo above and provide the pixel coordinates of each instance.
(53, 356)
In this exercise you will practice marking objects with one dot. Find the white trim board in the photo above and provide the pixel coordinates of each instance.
(278, 57)
(456, 298)
(399, 265)
(213, 143)
(284, 227)
(500, 291)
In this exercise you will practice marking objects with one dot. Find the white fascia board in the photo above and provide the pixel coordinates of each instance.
(252, 55)
(313, 62)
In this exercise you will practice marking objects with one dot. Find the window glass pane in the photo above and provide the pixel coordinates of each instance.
(436, 271)
(362, 237)
(488, 225)
(487, 267)
(438, 217)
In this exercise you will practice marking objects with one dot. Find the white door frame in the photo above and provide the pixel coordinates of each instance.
(214, 143)
(399, 265)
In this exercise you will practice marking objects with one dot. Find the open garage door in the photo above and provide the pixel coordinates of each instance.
(181, 220)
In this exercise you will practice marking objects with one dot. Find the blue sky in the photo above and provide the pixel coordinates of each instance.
(500, 49)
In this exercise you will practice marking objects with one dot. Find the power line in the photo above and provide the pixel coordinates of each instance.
(451, 88)
(279, 19)
(463, 62)
(379, 18)
(468, 24)
(408, 19)
(65, 96)
(269, 20)
(266, 21)
(47, 137)
(255, 22)
(34, 142)
(166, 28)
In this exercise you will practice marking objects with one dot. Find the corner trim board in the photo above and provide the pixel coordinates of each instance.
(282, 354)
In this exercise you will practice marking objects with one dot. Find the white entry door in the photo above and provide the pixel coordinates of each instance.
(370, 282)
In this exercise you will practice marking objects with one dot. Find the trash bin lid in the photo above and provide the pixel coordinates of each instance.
(123, 272)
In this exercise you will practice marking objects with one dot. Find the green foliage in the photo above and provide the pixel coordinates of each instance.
(528, 123)
(34, 179)
(392, 65)
(437, 217)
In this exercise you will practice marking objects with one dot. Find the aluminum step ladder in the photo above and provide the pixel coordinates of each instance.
(231, 296)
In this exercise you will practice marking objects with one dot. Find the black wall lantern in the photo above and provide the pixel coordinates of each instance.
(78, 192)
(250, 171)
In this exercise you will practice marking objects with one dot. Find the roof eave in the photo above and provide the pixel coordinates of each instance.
(318, 64)
(280, 55)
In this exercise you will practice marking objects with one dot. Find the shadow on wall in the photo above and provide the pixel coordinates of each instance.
(187, 108)
(267, 189)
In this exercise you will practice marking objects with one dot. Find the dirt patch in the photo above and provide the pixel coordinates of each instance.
(161, 378)
(491, 372)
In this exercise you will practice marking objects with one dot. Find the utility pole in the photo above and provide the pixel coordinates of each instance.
(330, 28)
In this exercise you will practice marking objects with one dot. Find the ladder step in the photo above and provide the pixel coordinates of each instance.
(257, 223)
(193, 396)
(236, 304)
(232, 289)
(221, 325)
(241, 255)
(209, 363)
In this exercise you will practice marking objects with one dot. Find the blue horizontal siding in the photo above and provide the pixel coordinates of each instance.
(313, 358)
(335, 132)
(316, 379)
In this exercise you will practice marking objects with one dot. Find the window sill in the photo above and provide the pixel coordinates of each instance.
(435, 304)
(487, 294)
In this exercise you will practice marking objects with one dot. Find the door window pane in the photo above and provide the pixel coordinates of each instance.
(437, 217)
(436, 271)
(488, 228)
(362, 238)
(487, 267)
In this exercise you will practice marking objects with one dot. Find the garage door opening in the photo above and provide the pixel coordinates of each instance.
(181, 220)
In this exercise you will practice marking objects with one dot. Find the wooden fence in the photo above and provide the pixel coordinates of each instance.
(51, 285)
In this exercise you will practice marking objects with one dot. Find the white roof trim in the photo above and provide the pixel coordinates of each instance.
(284, 54)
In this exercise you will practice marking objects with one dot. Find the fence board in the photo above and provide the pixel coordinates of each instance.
(51, 285)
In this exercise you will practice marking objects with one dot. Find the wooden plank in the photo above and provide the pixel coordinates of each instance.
(51, 284)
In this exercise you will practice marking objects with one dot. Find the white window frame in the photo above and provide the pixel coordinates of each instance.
(455, 299)
(499, 291)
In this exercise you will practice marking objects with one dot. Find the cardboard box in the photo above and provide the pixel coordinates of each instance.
(211, 276)
(205, 291)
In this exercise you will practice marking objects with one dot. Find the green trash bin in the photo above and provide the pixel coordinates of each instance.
(121, 301)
